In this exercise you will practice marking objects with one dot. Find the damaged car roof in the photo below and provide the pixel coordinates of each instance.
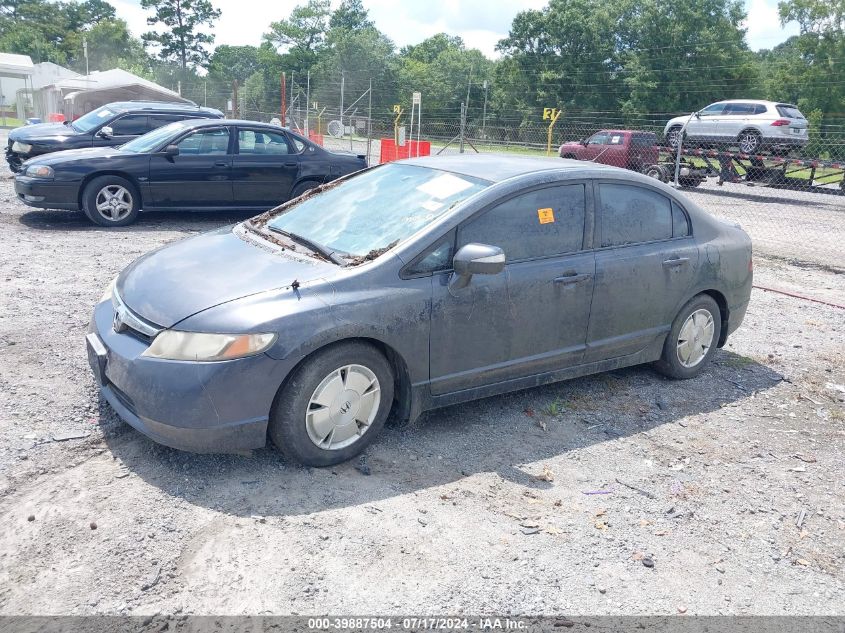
(496, 167)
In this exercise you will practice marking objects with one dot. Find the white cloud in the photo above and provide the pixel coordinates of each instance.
(763, 24)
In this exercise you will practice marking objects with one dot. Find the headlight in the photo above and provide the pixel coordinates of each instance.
(196, 346)
(39, 171)
(23, 148)
(107, 294)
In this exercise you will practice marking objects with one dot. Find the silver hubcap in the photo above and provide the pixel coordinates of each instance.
(748, 143)
(695, 338)
(114, 202)
(674, 137)
(342, 407)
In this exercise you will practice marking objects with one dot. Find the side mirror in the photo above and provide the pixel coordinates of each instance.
(105, 132)
(171, 150)
(476, 259)
(585, 142)
(698, 115)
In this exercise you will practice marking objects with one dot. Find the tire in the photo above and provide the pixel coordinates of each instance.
(655, 171)
(101, 191)
(749, 141)
(315, 439)
(302, 187)
(690, 182)
(673, 136)
(672, 362)
(570, 156)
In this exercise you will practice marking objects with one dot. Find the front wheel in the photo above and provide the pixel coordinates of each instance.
(334, 405)
(111, 201)
(693, 339)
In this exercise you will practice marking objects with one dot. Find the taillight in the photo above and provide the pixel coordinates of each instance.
(780, 122)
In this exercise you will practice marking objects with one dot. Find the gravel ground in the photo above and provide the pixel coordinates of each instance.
(621, 493)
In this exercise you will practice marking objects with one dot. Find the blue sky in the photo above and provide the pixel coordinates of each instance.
(481, 23)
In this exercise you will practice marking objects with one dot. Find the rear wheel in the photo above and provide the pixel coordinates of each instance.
(302, 187)
(655, 171)
(111, 201)
(693, 339)
(749, 142)
(673, 136)
(334, 405)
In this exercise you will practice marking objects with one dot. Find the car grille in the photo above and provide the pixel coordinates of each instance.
(125, 321)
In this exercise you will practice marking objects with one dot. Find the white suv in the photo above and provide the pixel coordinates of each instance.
(752, 125)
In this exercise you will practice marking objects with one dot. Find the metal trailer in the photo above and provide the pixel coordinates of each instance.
(752, 169)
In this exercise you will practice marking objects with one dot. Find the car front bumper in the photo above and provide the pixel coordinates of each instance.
(200, 407)
(47, 194)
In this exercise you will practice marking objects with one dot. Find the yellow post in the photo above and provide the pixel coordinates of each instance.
(552, 115)
(319, 118)
(398, 111)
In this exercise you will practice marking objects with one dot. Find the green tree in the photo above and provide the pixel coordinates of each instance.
(815, 57)
(181, 40)
(303, 34)
(350, 15)
(234, 62)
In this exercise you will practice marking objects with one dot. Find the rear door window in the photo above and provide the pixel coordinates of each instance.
(130, 125)
(631, 215)
(160, 120)
(263, 143)
(739, 108)
(539, 223)
(680, 222)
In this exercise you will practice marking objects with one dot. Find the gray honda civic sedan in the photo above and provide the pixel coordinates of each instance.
(407, 287)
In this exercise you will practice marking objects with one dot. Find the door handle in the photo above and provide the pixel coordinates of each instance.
(675, 261)
(290, 164)
(221, 164)
(572, 279)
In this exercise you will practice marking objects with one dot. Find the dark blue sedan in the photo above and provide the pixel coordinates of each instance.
(194, 165)
(411, 286)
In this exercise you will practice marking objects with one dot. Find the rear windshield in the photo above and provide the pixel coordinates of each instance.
(789, 111)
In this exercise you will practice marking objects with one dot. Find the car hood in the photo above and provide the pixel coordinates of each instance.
(40, 132)
(179, 280)
(71, 155)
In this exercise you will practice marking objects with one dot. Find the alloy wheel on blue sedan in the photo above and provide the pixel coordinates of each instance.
(342, 407)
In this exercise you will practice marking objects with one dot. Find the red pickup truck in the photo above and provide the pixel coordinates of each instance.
(620, 148)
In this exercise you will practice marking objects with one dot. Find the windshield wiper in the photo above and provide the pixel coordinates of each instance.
(313, 246)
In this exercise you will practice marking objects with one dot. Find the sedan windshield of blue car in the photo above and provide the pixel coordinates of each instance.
(152, 140)
(377, 208)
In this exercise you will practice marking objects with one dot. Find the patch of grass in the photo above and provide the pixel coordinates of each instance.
(737, 361)
(555, 408)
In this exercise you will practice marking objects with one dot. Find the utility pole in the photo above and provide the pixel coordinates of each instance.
(369, 120)
(463, 124)
(307, 102)
(235, 99)
(484, 112)
(291, 99)
(342, 85)
(284, 98)
(85, 51)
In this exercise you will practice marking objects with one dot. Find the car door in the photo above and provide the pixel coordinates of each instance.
(616, 151)
(646, 262)
(594, 146)
(533, 316)
(264, 168)
(199, 177)
(704, 125)
(735, 118)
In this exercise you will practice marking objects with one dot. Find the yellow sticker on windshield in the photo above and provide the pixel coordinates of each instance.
(546, 215)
